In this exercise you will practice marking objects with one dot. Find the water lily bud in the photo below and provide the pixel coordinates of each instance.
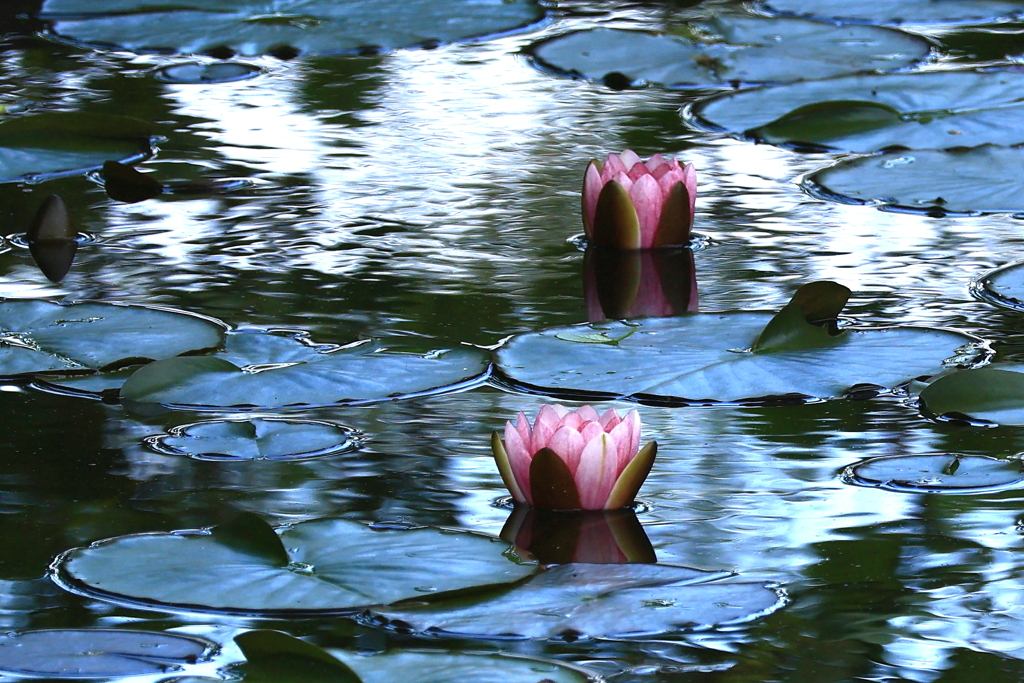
(633, 204)
(574, 459)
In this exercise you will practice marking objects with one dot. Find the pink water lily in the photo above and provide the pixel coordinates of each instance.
(574, 459)
(629, 203)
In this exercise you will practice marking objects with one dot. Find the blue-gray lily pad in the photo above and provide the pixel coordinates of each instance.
(40, 336)
(275, 657)
(263, 370)
(320, 567)
(97, 653)
(594, 601)
(895, 12)
(729, 50)
(975, 181)
(705, 357)
(255, 27)
(50, 144)
(868, 113)
(1003, 286)
(256, 439)
(937, 473)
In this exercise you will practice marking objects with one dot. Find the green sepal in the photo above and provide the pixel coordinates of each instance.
(588, 229)
(807, 321)
(505, 467)
(552, 486)
(822, 122)
(632, 478)
(249, 533)
(616, 224)
(275, 657)
(676, 218)
(125, 184)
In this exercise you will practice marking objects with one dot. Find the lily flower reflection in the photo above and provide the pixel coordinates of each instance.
(630, 284)
(590, 536)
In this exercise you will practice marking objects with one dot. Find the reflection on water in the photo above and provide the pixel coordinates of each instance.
(430, 198)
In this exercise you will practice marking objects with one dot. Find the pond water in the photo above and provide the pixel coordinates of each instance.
(429, 199)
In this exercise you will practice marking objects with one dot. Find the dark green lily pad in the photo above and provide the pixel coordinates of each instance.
(334, 566)
(705, 357)
(256, 439)
(97, 653)
(595, 601)
(275, 657)
(1003, 286)
(897, 12)
(729, 50)
(52, 144)
(39, 336)
(937, 473)
(992, 394)
(258, 369)
(200, 72)
(975, 181)
(287, 27)
(868, 113)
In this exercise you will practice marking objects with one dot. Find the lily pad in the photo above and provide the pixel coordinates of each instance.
(937, 473)
(52, 144)
(902, 11)
(707, 357)
(729, 50)
(97, 653)
(286, 27)
(260, 369)
(595, 601)
(992, 394)
(200, 72)
(322, 567)
(1002, 286)
(981, 180)
(256, 439)
(275, 657)
(39, 336)
(895, 12)
(934, 110)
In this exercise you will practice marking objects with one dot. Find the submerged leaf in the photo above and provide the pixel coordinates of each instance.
(994, 393)
(821, 122)
(275, 657)
(248, 533)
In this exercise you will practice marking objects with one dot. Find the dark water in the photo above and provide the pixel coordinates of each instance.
(429, 199)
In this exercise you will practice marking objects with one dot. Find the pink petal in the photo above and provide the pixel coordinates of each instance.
(637, 171)
(609, 419)
(572, 420)
(560, 410)
(568, 444)
(591, 431)
(634, 432)
(691, 186)
(624, 180)
(647, 200)
(544, 427)
(623, 439)
(596, 474)
(588, 414)
(613, 166)
(629, 158)
(655, 162)
(519, 458)
(592, 185)
(524, 429)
